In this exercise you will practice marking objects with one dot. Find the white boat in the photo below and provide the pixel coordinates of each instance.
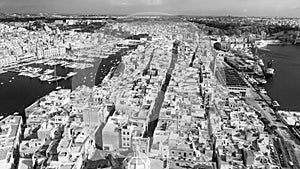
(48, 71)
(261, 44)
(270, 71)
(104, 56)
(34, 75)
(261, 62)
(39, 62)
(45, 77)
(71, 74)
(55, 79)
(261, 80)
(21, 74)
(263, 91)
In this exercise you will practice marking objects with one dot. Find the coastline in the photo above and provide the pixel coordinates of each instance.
(2, 71)
(286, 64)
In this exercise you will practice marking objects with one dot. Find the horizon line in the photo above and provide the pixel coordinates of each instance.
(130, 14)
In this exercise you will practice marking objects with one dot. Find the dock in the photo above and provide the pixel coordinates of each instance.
(2, 71)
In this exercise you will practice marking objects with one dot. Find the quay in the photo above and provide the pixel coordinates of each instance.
(2, 71)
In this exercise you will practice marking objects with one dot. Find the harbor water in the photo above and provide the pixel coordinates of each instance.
(285, 85)
(18, 92)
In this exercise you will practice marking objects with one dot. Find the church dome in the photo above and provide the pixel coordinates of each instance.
(137, 161)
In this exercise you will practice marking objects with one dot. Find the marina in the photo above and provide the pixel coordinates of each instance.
(22, 85)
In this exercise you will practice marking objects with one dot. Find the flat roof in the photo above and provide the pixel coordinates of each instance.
(232, 78)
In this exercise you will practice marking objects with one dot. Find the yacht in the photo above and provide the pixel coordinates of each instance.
(261, 44)
(48, 71)
(71, 74)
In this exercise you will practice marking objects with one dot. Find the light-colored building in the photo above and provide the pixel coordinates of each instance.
(10, 134)
(111, 136)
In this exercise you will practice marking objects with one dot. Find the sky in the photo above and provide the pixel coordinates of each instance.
(290, 8)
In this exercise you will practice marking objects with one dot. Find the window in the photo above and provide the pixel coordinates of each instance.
(127, 133)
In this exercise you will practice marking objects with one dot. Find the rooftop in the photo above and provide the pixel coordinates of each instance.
(233, 78)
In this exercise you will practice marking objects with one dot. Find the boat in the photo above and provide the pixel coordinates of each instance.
(252, 81)
(291, 163)
(275, 105)
(54, 79)
(104, 56)
(261, 62)
(10, 81)
(48, 71)
(71, 74)
(58, 87)
(34, 75)
(261, 80)
(45, 77)
(263, 91)
(39, 62)
(270, 71)
(258, 71)
(2, 83)
(261, 44)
